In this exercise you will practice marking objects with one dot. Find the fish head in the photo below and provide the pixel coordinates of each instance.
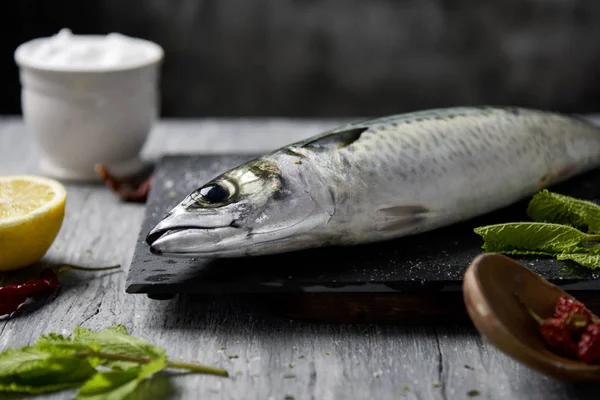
(250, 210)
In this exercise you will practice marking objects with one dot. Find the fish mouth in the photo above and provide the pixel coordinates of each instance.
(185, 233)
(192, 240)
(155, 234)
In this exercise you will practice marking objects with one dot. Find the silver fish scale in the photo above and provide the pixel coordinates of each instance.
(454, 163)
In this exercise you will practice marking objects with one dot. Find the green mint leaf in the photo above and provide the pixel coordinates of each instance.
(556, 208)
(109, 384)
(61, 345)
(117, 385)
(118, 329)
(32, 370)
(7, 386)
(536, 238)
(54, 338)
(116, 340)
(591, 261)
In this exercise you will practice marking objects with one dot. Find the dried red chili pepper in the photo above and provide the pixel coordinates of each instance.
(558, 337)
(127, 190)
(589, 344)
(13, 296)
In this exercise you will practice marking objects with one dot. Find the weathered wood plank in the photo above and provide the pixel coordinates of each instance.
(338, 361)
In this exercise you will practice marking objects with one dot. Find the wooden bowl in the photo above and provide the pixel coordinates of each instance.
(497, 291)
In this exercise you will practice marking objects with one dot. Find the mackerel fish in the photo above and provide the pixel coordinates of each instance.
(377, 180)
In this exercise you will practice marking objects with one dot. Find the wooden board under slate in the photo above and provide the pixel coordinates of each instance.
(415, 278)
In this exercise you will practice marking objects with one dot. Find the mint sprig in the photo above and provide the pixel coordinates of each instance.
(109, 364)
(564, 228)
(556, 208)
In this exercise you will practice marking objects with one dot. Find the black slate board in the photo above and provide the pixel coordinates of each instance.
(433, 262)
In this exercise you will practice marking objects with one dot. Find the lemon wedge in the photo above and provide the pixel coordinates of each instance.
(32, 210)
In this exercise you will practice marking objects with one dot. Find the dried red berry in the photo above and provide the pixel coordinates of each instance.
(589, 344)
(566, 306)
(556, 334)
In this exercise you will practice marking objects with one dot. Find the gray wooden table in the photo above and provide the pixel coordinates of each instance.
(330, 361)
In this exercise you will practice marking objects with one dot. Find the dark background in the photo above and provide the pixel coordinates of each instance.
(339, 57)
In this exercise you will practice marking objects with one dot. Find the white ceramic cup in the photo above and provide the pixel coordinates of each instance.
(81, 116)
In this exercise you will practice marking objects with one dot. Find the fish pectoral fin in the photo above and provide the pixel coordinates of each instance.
(336, 140)
(402, 217)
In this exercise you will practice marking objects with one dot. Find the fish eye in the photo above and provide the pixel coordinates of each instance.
(214, 193)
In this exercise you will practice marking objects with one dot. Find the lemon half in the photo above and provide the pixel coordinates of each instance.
(32, 210)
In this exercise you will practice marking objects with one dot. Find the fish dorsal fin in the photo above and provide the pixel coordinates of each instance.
(336, 140)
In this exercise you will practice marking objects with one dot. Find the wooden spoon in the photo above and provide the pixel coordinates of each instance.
(497, 291)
